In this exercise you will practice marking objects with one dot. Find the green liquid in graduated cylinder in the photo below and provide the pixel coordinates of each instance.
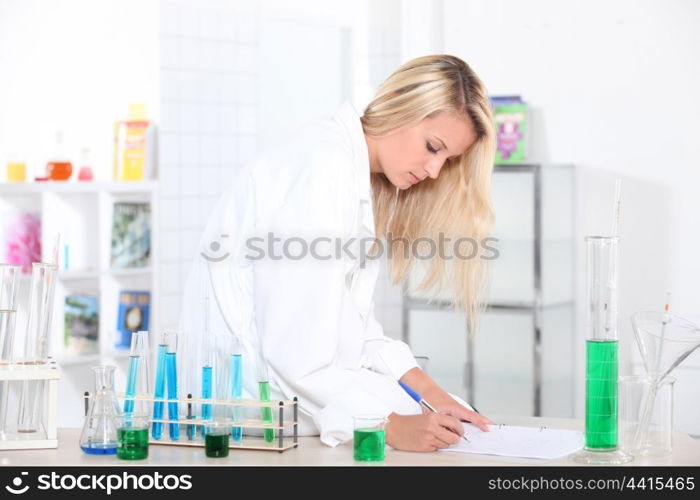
(133, 444)
(216, 445)
(267, 411)
(368, 444)
(601, 394)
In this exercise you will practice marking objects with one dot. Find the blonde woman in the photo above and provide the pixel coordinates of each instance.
(288, 262)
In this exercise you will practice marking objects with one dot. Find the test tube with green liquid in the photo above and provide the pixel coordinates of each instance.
(601, 434)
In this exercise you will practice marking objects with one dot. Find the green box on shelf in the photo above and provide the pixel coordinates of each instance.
(510, 117)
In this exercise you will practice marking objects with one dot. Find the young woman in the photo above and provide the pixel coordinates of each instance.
(288, 263)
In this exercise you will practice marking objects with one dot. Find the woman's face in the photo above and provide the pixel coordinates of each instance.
(410, 154)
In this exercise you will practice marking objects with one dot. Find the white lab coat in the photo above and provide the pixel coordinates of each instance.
(313, 318)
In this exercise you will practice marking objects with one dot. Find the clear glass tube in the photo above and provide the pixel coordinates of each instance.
(9, 278)
(99, 435)
(601, 436)
(137, 381)
(7, 331)
(41, 296)
(36, 343)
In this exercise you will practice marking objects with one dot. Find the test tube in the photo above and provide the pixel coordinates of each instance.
(159, 389)
(207, 382)
(137, 381)
(264, 391)
(36, 343)
(171, 378)
(236, 389)
(9, 277)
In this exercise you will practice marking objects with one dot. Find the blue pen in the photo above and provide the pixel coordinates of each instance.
(418, 399)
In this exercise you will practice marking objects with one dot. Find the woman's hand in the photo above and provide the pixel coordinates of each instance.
(425, 432)
(444, 403)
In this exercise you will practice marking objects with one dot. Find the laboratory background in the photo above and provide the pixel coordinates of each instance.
(603, 91)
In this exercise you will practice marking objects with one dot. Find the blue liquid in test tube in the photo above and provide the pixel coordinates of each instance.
(131, 384)
(171, 364)
(157, 429)
(236, 390)
(206, 391)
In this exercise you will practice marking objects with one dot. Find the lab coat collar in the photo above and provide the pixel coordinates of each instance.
(365, 274)
(350, 118)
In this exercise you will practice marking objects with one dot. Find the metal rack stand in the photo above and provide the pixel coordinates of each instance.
(282, 442)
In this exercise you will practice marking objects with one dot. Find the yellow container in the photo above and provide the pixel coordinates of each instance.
(16, 171)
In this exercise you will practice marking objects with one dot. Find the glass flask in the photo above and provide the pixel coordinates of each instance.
(99, 435)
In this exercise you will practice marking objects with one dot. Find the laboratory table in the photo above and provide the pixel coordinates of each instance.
(311, 451)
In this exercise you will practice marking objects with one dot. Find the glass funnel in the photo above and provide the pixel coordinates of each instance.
(99, 436)
(664, 341)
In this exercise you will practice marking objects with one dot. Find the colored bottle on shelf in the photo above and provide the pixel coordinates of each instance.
(134, 146)
(59, 167)
(85, 172)
(16, 170)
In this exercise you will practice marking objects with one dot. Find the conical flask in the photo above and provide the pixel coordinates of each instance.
(99, 436)
(664, 341)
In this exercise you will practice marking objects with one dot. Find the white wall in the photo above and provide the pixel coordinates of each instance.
(614, 91)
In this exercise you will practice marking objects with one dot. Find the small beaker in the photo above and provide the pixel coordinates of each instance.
(369, 438)
(216, 435)
(99, 435)
(650, 434)
(132, 435)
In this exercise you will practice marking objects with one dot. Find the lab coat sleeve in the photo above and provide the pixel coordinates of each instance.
(386, 355)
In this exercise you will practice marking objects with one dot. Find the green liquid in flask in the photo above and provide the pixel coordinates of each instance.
(368, 444)
(601, 394)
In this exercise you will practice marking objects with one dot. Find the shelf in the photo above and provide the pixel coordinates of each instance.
(78, 360)
(77, 187)
(137, 271)
(77, 275)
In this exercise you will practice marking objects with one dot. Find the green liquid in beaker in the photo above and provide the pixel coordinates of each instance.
(216, 445)
(601, 394)
(369, 444)
(133, 443)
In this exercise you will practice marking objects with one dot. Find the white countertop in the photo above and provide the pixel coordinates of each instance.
(312, 452)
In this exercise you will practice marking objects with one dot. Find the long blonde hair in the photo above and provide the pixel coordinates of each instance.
(457, 203)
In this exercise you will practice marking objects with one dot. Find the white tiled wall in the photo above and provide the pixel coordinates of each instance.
(208, 124)
(383, 57)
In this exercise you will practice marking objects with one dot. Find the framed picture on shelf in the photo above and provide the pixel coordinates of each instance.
(133, 315)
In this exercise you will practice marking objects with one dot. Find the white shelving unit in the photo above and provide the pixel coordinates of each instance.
(82, 213)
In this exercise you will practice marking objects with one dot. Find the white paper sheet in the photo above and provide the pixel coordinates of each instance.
(524, 442)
